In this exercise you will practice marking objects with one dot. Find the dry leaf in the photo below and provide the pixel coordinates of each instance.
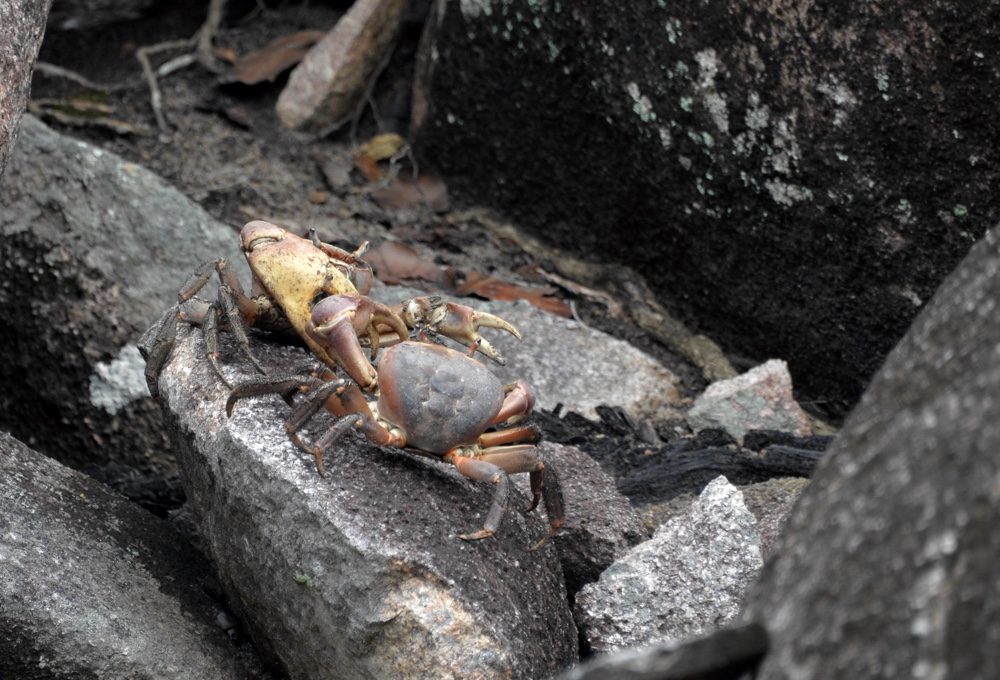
(402, 192)
(494, 289)
(382, 147)
(278, 56)
(378, 148)
(394, 262)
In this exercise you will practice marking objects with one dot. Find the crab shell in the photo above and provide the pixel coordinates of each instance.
(441, 399)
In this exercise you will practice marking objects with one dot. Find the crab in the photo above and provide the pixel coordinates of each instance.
(432, 401)
(290, 274)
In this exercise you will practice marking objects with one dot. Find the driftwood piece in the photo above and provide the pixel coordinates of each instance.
(670, 474)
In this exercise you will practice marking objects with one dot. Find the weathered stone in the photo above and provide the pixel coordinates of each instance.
(600, 524)
(93, 250)
(92, 586)
(687, 580)
(22, 25)
(760, 399)
(798, 180)
(887, 566)
(325, 88)
(360, 573)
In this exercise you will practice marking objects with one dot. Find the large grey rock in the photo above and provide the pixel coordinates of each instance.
(92, 586)
(689, 579)
(94, 249)
(360, 574)
(796, 179)
(887, 566)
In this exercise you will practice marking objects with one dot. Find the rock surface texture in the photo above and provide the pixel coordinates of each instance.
(94, 249)
(93, 586)
(887, 566)
(360, 574)
(22, 25)
(759, 399)
(688, 580)
(572, 364)
(737, 155)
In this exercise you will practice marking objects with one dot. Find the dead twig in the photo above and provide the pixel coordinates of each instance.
(155, 96)
(200, 43)
(53, 71)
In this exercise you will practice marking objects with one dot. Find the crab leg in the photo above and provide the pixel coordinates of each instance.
(519, 399)
(481, 470)
(232, 303)
(340, 397)
(458, 322)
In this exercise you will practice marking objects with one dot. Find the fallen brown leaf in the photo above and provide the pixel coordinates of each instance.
(393, 263)
(269, 62)
(403, 192)
(495, 289)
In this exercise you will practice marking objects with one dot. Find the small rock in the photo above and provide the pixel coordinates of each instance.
(93, 586)
(326, 87)
(760, 399)
(687, 580)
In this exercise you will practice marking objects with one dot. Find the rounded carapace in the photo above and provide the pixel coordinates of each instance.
(441, 398)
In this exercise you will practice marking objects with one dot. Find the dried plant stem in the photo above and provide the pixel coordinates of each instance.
(200, 44)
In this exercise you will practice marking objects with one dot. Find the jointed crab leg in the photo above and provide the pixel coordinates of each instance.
(232, 303)
(455, 321)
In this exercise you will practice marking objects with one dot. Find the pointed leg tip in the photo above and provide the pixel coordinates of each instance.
(479, 535)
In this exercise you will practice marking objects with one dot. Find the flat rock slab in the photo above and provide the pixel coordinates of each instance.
(360, 574)
(93, 586)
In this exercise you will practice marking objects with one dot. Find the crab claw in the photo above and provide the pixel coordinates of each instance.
(338, 321)
(458, 322)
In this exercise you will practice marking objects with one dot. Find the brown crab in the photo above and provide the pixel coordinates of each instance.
(290, 274)
(432, 401)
